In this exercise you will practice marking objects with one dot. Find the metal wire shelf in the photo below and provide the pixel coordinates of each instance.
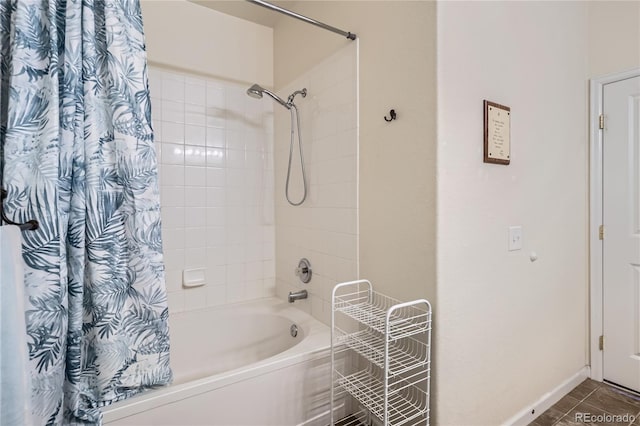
(403, 406)
(372, 309)
(404, 355)
(396, 342)
(357, 419)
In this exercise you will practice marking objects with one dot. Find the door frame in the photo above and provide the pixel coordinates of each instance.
(595, 218)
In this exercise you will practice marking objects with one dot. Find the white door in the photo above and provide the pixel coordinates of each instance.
(621, 244)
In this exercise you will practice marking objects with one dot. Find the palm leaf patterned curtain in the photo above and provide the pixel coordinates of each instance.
(78, 156)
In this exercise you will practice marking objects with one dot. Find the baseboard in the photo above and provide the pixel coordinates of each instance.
(530, 413)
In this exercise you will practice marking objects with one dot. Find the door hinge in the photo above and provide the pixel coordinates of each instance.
(601, 232)
(601, 343)
(601, 121)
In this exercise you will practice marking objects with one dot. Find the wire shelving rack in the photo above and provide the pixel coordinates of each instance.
(393, 340)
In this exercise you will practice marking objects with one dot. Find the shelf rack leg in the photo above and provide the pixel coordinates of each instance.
(333, 366)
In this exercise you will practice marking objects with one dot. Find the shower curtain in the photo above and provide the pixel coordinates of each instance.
(78, 157)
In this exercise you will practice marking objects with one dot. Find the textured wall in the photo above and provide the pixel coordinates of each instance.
(510, 330)
(397, 57)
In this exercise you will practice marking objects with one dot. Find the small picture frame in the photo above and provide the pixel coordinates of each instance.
(497, 133)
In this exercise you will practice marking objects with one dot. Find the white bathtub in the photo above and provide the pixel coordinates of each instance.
(239, 365)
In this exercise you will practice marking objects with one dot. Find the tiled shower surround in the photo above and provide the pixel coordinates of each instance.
(215, 150)
(324, 229)
(221, 197)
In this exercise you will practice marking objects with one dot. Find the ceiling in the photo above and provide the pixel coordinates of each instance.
(245, 10)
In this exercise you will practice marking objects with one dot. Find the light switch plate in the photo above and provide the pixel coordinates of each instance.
(515, 238)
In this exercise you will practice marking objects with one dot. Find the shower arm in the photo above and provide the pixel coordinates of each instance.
(277, 98)
(292, 96)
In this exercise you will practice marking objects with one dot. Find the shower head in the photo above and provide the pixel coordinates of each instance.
(256, 91)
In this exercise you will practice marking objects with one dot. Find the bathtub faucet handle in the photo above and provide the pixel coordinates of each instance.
(303, 271)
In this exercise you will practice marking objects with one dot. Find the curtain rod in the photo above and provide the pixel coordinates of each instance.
(347, 34)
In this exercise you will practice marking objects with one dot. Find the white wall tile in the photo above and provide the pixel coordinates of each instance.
(216, 197)
(235, 159)
(195, 93)
(268, 251)
(175, 300)
(172, 132)
(173, 280)
(217, 274)
(236, 292)
(235, 178)
(216, 216)
(253, 161)
(194, 238)
(216, 295)
(195, 196)
(172, 153)
(236, 273)
(195, 298)
(172, 217)
(254, 288)
(215, 95)
(216, 157)
(234, 139)
(216, 118)
(156, 115)
(216, 255)
(236, 234)
(215, 137)
(195, 258)
(172, 111)
(215, 235)
(195, 135)
(235, 253)
(155, 83)
(216, 176)
(195, 115)
(174, 259)
(214, 201)
(173, 87)
(195, 176)
(254, 251)
(172, 175)
(269, 268)
(324, 229)
(254, 271)
(195, 155)
(269, 285)
(172, 196)
(195, 217)
(235, 197)
(173, 238)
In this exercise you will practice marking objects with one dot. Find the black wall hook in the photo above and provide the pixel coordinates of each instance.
(393, 115)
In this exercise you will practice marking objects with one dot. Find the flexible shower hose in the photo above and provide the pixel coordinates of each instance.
(304, 175)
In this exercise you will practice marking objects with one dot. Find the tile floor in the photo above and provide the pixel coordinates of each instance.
(593, 403)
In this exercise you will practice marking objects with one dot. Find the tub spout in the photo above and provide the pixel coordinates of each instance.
(293, 296)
